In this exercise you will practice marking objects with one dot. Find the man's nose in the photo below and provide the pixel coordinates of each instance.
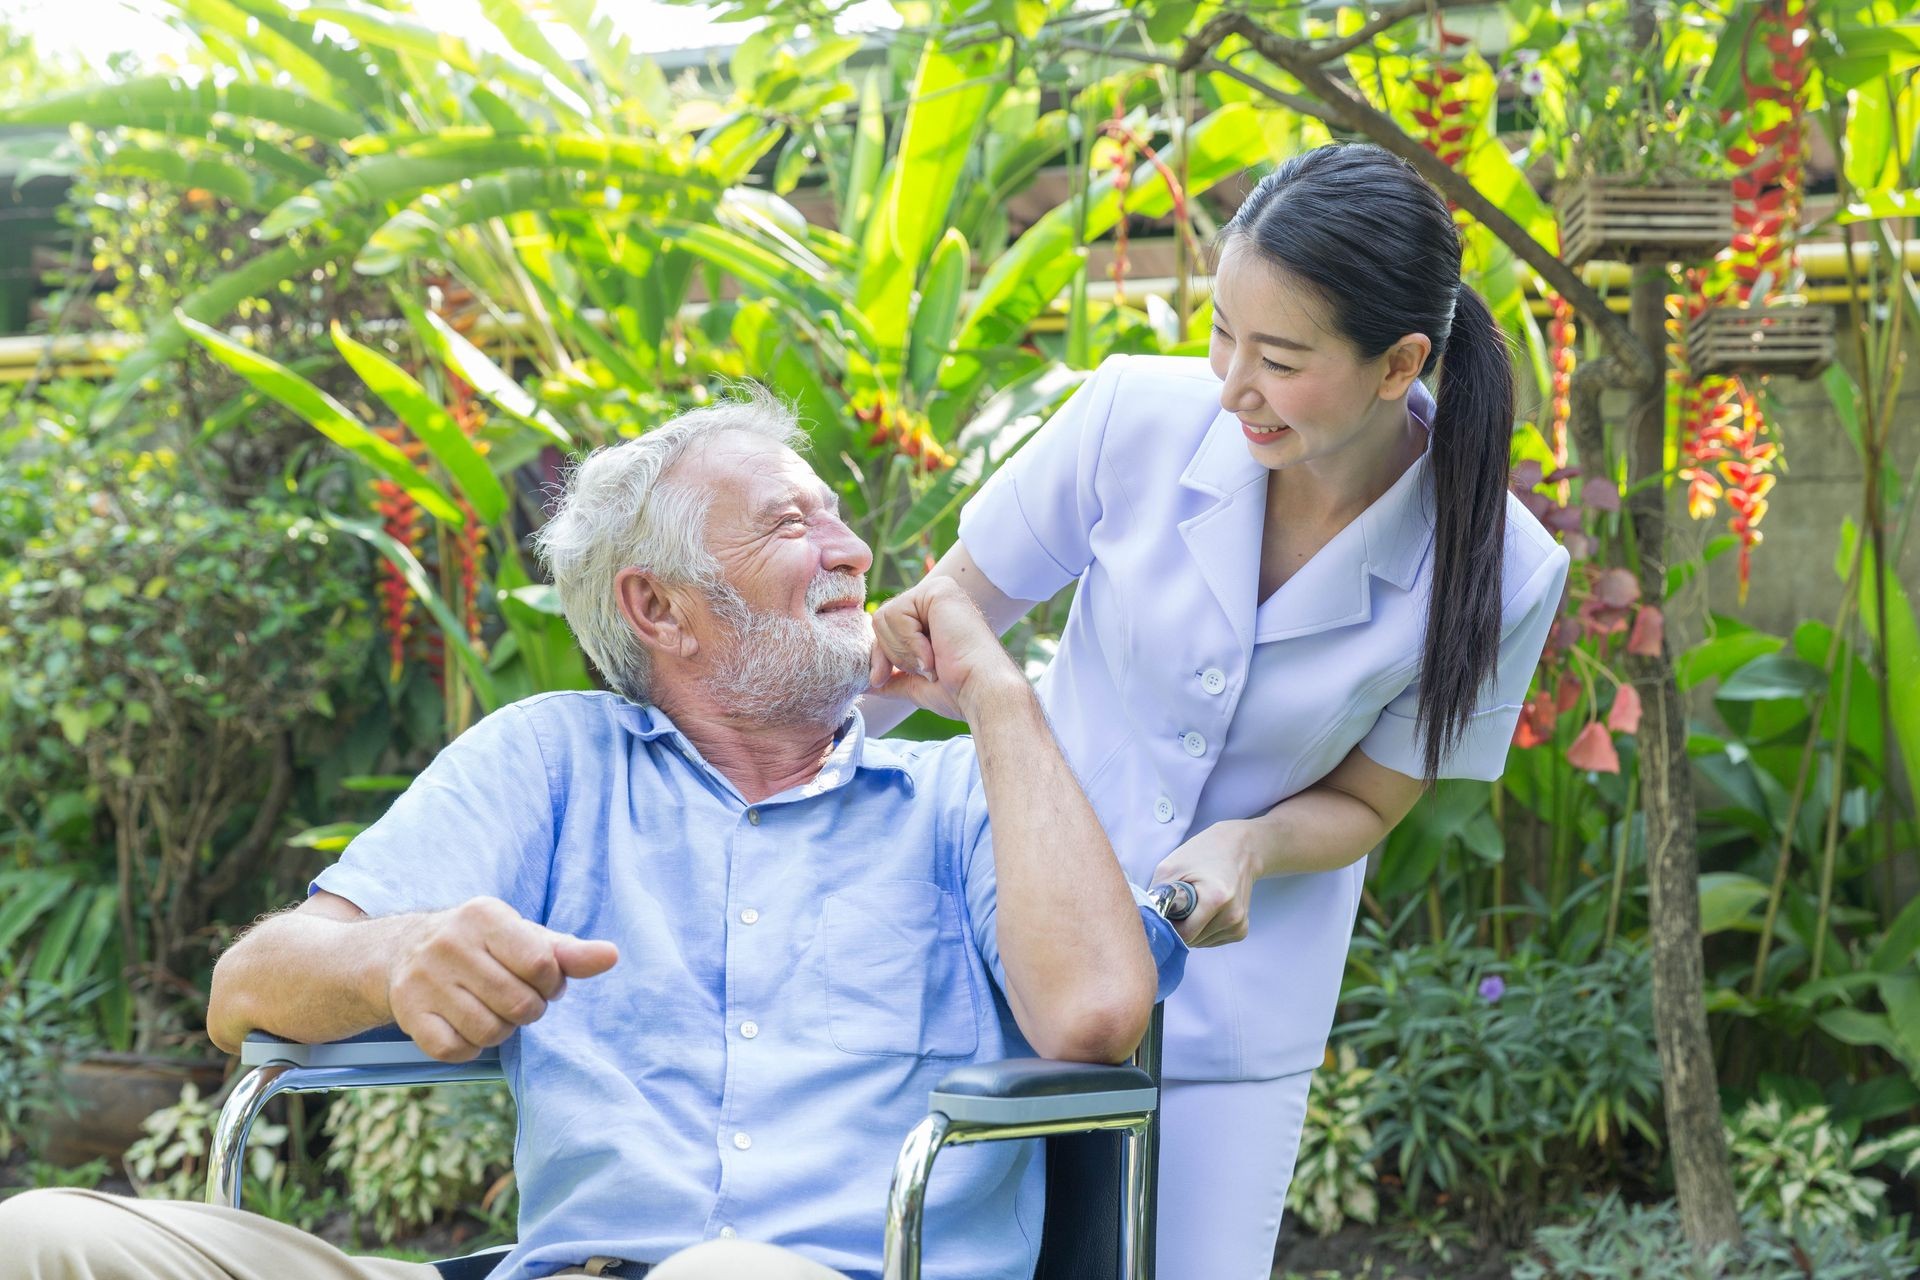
(842, 550)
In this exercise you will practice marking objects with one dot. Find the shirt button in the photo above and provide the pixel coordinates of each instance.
(1195, 745)
(749, 1029)
(728, 1233)
(1163, 810)
(753, 817)
(1213, 680)
(742, 1141)
(749, 916)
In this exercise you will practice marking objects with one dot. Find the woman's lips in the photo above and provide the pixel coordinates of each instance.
(1262, 435)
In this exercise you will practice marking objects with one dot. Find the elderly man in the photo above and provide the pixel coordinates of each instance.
(726, 943)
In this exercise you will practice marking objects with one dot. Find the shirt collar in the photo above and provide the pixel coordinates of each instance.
(852, 751)
(1396, 530)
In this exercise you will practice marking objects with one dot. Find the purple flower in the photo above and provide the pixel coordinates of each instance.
(1492, 987)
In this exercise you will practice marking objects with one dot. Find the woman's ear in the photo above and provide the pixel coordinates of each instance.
(1405, 359)
(655, 612)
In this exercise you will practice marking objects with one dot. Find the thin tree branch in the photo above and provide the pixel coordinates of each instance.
(1344, 107)
(1334, 49)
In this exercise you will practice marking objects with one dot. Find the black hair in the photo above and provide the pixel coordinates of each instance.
(1376, 241)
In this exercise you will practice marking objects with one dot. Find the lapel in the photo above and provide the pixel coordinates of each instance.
(1224, 538)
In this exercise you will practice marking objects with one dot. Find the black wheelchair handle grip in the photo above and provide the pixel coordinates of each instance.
(1174, 900)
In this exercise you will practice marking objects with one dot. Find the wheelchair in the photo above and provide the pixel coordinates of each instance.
(1100, 1125)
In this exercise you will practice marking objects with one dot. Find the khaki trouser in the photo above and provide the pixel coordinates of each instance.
(87, 1235)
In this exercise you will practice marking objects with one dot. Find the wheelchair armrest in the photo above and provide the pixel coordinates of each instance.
(1041, 1091)
(380, 1047)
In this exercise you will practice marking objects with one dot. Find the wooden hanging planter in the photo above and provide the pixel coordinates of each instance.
(1611, 218)
(1774, 338)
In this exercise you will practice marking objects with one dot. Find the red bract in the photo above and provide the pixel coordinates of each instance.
(1648, 634)
(1616, 589)
(1593, 750)
(1625, 714)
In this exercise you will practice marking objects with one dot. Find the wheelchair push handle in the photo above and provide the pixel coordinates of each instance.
(1174, 900)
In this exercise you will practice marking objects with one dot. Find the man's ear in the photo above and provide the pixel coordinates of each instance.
(1404, 361)
(656, 613)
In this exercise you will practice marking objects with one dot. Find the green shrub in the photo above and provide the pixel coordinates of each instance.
(1504, 1083)
(409, 1156)
(42, 1028)
(1799, 1167)
(1333, 1176)
(1620, 1241)
(170, 1159)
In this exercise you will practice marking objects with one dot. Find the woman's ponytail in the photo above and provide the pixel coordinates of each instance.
(1468, 460)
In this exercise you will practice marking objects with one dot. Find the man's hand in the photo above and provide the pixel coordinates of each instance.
(933, 647)
(478, 972)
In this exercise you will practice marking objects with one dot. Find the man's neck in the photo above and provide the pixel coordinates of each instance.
(758, 758)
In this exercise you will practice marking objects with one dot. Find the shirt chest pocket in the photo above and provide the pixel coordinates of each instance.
(898, 981)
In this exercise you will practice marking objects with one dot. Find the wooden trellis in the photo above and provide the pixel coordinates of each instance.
(1611, 218)
(1777, 338)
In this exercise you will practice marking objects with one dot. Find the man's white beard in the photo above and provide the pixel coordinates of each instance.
(786, 670)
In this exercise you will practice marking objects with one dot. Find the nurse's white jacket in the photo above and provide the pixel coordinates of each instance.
(1181, 700)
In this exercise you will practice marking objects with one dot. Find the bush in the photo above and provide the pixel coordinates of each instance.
(42, 1028)
(169, 1161)
(1501, 1082)
(163, 649)
(1333, 1176)
(1798, 1167)
(410, 1156)
(1645, 1242)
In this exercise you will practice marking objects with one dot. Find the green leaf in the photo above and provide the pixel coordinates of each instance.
(938, 310)
(1902, 938)
(431, 422)
(1881, 204)
(1855, 1026)
(169, 104)
(166, 336)
(1770, 676)
(452, 630)
(1901, 994)
(951, 93)
(1898, 636)
(326, 415)
(1727, 900)
(482, 374)
(331, 837)
(1714, 658)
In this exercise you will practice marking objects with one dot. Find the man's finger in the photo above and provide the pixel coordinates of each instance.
(584, 958)
(527, 953)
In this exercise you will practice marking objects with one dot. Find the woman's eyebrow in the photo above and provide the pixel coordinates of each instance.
(1268, 338)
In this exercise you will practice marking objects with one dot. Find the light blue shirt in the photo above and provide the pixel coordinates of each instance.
(1182, 699)
(794, 977)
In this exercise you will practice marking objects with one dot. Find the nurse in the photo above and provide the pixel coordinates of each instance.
(1304, 592)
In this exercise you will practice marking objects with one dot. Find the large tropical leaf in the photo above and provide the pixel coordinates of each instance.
(175, 105)
(430, 421)
(327, 416)
(482, 374)
(951, 93)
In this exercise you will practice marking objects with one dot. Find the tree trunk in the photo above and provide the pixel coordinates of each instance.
(1695, 1137)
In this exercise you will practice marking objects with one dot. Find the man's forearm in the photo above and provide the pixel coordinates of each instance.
(1079, 972)
(306, 978)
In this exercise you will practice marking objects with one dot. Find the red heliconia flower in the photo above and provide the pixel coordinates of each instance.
(1446, 116)
(1593, 750)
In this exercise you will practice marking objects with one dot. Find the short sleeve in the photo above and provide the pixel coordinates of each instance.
(1481, 752)
(1169, 949)
(1030, 527)
(478, 822)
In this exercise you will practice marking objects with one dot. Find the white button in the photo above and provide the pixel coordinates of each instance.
(753, 816)
(1195, 745)
(749, 916)
(742, 1141)
(728, 1233)
(1163, 810)
(1213, 680)
(749, 1029)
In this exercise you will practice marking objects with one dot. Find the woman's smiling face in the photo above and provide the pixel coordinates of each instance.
(1300, 389)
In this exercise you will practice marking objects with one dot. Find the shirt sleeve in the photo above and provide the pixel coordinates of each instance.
(478, 822)
(1169, 949)
(1030, 527)
(1481, 752)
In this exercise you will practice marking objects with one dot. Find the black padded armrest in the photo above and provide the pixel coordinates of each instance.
(1039, 1090)
(380, 1047)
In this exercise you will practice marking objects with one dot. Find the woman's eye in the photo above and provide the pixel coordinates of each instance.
(1277, 368)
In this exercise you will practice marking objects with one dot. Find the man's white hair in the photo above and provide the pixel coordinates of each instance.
(617, 511)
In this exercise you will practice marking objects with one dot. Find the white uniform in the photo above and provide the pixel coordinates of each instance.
(1181, 699)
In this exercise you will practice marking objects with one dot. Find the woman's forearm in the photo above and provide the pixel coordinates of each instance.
(1319, 829)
